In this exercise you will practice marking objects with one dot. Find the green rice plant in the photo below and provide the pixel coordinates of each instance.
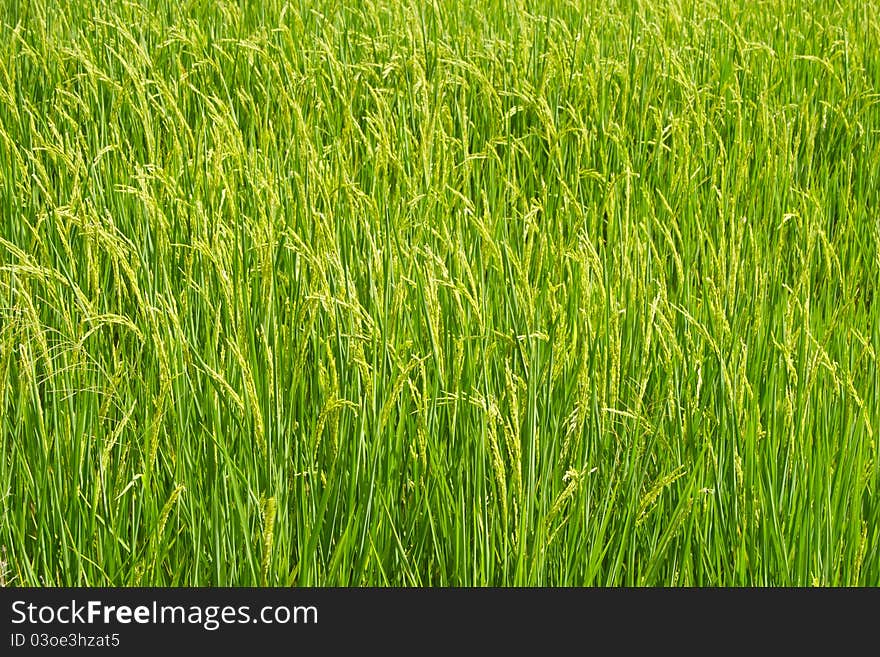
(310, 293)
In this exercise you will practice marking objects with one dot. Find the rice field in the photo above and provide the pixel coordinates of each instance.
(309, 293)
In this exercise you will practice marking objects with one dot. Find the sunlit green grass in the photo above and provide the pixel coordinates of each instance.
(499, 293)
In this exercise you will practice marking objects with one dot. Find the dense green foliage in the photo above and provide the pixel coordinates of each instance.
(511, 293)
